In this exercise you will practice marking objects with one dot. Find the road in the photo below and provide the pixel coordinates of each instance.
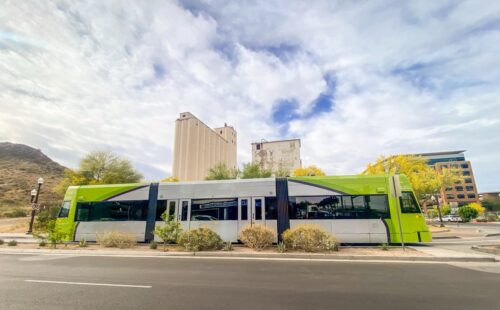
(195, 283)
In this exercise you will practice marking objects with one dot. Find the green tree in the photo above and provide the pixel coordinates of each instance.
(491, 205)
(467, 213)
(100, 167)
(221, 172)
(254, 171)
(445, 209)
(281, 172)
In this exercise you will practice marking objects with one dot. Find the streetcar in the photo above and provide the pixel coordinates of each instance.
(355, 209)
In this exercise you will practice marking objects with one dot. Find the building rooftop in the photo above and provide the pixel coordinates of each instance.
(275, 141)
(440, 153)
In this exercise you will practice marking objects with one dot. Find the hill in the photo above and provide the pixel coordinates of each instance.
(20, 168)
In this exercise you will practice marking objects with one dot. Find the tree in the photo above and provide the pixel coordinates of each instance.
(254, 171)
(100, 167)
(491, 205)
(221, 172)
(445, 209)
(281, 172)
(467, 213)
(170, 179)
(477, 206)
(308, 171)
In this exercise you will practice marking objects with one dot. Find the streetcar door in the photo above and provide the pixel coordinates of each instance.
(244, 212)
(183, 214)
(257, 213)
(172, 209)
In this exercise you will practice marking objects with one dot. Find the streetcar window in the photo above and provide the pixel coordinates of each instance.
(223, 209)
(161, 207)
(339, 207)
(408, 203)
(244, 209)
(64, 212)
(258, 209)
(112, 211)
(184, 211)
(271, 209)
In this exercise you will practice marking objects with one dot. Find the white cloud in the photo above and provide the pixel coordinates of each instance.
(410, 77)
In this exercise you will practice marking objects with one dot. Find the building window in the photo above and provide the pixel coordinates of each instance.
(223, 209)
(459, 188)
(112, 211)
(464, 166)
(257, 146)
(444, 166)
(449, 189)
(471, 195)
(460, 196)
(466, 173)
(468, 180)
(450, 196)
(469, 188)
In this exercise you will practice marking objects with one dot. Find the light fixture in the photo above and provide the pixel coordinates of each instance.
(40, 181)
(33, 192)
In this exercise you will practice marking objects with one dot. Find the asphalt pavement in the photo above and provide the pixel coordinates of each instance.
(66, 282)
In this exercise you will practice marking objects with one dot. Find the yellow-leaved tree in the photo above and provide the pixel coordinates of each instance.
(425, 180)
(308, 171)
(477, 206)
(170, 179)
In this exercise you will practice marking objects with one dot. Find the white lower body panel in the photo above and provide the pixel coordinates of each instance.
(351, 231)
(90, 230)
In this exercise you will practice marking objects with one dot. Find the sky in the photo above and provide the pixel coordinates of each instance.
(352, 79)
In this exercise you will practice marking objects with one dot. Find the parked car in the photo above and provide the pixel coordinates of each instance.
(452, 218)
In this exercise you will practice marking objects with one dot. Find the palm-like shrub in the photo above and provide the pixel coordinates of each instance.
(309, 238)
(257, 237)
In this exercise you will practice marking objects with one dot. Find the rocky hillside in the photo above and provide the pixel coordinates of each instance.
(20, 168)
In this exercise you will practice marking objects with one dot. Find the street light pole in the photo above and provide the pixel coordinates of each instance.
(35, 194)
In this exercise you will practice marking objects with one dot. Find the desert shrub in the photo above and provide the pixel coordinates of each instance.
(309, 238)
(201, 239)
(228, 246)
(16, 213)
(153, 245)
(42, 243)
(489, 217)
(257, 237)
(42, 220)
(384, 246)
(1, 241)
(116, 239)
(168, 232)
(281, 247)
(12, 243)
(83, 243)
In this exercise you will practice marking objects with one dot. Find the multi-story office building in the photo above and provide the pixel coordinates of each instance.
(274, 155)
(462, 192)
(197, 148)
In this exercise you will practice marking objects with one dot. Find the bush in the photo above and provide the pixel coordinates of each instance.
(12, 243)
(16, 213)
(153, 245)
(42, 243)
(228, 246)
(257, 237)
(445, 210)
(467, 213)
(42, 221)
(83, 243)
(309, 238)
(281, 247)
(115, 239)
(1, 241)
(489, 217)
(169, 232)
(201, 239)
(52, 234)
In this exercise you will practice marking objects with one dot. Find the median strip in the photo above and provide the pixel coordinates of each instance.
(88, 283)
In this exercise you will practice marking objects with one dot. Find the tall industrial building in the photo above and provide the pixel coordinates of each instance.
(463, 192)
(197, 148)
(274, 155)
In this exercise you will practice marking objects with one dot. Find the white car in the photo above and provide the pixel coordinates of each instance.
(452, 218)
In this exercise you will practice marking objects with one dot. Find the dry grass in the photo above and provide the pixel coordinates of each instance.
(116, 239)
(14, 225)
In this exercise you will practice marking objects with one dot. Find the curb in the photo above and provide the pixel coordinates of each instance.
(493, 235)
(311, 257)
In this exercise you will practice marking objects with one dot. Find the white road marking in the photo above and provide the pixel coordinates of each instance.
(87, 283)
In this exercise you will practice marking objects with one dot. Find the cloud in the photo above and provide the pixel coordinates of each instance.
(353, 80)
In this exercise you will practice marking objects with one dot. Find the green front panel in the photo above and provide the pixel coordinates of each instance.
(88, 193)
